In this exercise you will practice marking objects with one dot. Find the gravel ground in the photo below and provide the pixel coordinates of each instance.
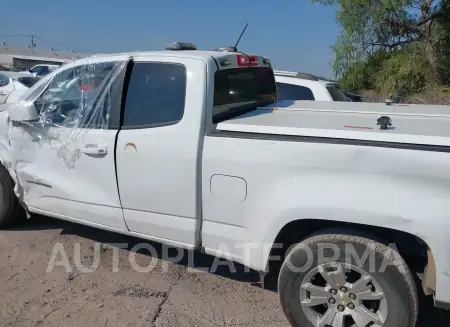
(115, 294)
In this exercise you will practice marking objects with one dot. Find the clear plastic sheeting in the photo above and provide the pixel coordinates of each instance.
(70, 103)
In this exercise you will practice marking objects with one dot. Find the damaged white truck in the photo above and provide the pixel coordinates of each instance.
(190, 148)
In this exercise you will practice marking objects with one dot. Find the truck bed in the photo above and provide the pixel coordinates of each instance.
(412, 124)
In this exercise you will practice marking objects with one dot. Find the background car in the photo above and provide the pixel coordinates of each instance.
(41, 69)
(14, 84)
(303, 86)
(354, 97)
(351, 97)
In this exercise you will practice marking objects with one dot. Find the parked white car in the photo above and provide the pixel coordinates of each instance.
(303, 86)
(13, 85)
(41, 70)
(188, 148)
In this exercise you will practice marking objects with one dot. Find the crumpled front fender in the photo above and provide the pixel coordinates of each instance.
(6, 153)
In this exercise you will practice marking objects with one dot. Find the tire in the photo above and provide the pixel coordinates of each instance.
(394, 285)
(11, 212)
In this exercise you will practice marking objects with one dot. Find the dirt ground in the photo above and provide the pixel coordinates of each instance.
(115, 294)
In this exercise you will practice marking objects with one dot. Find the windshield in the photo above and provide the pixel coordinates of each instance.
(240, 90)
(337, 94)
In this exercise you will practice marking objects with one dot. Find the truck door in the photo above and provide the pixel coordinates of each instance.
(65, 161)
(158, 149)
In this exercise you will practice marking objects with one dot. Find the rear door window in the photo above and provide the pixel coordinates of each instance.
(337, 94)
(242, 89)
(294, 92)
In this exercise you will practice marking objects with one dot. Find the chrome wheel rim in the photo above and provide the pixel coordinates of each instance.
(342, 295)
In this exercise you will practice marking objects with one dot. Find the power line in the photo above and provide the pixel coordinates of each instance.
(32, 38)
(14, 35)
(51, 41)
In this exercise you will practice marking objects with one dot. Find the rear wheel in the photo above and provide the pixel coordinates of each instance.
(337, 280)
(11, 211)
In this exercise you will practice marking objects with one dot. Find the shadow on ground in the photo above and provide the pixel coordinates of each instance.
(197, 260)
(189, 259)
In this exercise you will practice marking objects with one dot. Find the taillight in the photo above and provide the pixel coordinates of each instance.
(243, 60)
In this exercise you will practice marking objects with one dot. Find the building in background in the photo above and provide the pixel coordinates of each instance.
(16, 58)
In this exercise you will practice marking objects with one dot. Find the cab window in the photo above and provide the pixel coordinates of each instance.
(242, 89)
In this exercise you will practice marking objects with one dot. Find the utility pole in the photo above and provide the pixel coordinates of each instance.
(32, 43)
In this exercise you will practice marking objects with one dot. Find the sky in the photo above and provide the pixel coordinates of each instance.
(294, 34)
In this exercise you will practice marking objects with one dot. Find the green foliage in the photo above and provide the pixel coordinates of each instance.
(443, 45)
(361, 75)
(395, 46)
(404, 73)
(400, 72)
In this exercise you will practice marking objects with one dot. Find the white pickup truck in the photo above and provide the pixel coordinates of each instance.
(189, 148)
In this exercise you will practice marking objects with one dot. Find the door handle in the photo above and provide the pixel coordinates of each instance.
(94, 149)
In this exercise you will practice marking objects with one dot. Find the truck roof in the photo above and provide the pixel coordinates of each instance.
(170, 53)
(195, 54)
(223, 58)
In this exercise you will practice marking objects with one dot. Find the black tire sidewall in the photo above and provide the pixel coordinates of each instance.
(399, 295)
(8, 197)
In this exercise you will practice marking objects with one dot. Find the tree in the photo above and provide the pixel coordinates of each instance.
(443, 46)
(361, 75)
(371, 27)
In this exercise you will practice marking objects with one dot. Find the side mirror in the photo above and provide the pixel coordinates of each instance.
(22, 112)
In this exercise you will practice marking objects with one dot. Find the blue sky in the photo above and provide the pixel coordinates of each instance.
(295, 34)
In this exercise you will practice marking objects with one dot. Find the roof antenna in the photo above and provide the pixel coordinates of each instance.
(242, 33)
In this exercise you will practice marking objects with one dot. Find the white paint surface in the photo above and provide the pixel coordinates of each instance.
(167, 189)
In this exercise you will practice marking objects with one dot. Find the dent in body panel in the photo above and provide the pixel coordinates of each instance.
(6, 155)
(44, 182)
(83, 200)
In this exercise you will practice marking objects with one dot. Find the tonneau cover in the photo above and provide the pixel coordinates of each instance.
(413, 124)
